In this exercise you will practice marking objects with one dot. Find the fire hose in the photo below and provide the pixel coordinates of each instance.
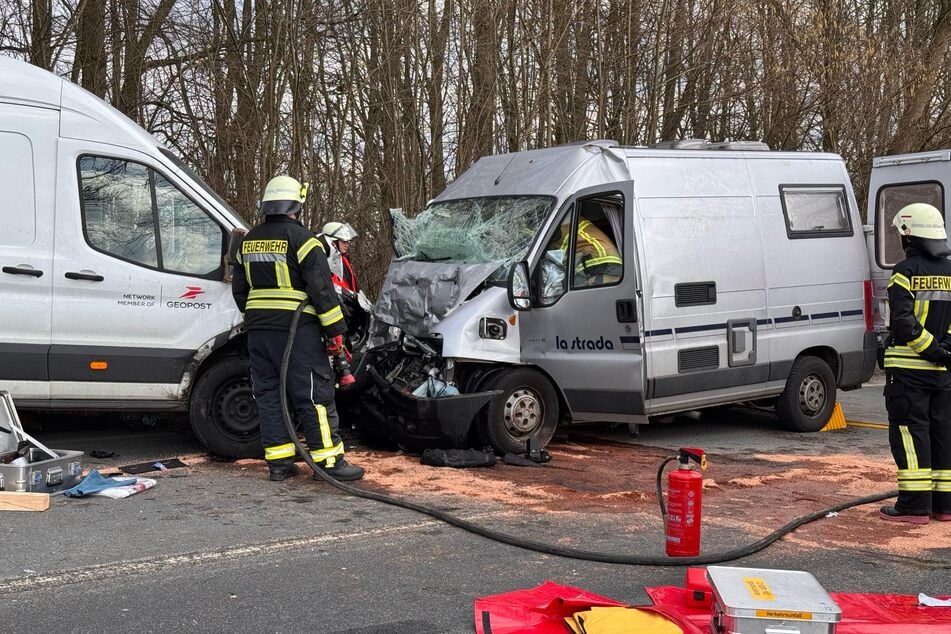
(541, 547)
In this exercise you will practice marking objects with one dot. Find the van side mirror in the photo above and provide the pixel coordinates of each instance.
(237, 234)
(519, 288)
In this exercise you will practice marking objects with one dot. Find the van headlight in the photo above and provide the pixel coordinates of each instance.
(492, 328)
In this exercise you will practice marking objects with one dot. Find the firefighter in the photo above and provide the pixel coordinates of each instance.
(338, 236)
(278, 265)
(917, 362)
(597, 259)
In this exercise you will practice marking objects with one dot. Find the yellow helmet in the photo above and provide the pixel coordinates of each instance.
(920, 220)
(283, 195)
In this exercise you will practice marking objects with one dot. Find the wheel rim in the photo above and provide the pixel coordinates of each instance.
(235, 411)
(812, 395)
(523, 413)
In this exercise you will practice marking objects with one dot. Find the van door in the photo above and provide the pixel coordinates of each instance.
(584, 330)
(138, 279)
(27, 195)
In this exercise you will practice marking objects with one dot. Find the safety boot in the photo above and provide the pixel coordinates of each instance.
(342, 470)
(941, 516)
(891, 514)
(281, 469)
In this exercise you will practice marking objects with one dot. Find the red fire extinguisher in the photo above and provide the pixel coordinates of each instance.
(684, 496)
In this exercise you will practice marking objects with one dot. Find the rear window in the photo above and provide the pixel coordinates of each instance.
(889, 200)
(816, 211)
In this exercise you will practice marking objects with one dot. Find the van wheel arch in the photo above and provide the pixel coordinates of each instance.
(807, 401)
(529, 407)
(221, 407)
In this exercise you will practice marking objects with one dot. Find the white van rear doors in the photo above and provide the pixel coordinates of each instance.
(27, 195)
(138, 278)
(584, 327)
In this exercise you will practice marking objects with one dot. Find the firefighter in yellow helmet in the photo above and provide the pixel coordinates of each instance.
(278, 265)
(917, 363)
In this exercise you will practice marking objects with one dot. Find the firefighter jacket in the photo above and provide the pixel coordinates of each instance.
(278, 265)
(919, 298)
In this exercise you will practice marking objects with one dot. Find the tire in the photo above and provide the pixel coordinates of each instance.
(222, 410)
(807, 402)
(527, 408)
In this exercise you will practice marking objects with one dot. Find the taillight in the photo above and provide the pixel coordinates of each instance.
(869, 326)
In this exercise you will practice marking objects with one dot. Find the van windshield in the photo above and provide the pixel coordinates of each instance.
(471, 230)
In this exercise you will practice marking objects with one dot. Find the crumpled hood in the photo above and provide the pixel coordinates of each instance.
(418, 295)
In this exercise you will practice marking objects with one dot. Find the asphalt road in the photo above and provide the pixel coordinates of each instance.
(217, 547)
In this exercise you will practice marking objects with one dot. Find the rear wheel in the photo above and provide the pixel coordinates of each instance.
(807, 402)
(223, 414)
(527, 408)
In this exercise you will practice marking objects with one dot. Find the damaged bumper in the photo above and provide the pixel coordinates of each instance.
(382, 404)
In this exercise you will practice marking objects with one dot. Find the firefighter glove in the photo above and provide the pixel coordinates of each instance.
(335, 345)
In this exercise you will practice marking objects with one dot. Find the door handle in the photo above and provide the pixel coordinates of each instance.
(92, 277)
(626, 312)
(16, 270)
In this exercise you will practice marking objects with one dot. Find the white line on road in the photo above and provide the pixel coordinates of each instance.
(151, 565)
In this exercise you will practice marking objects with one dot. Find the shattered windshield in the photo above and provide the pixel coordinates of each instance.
(471, 230)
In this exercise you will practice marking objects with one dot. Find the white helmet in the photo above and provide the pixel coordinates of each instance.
(920, 220)
(338, 231)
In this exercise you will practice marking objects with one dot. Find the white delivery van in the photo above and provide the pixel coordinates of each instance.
(737, 274)
(896, 181)
(113, 279)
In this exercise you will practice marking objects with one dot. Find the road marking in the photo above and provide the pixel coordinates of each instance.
(151, 565)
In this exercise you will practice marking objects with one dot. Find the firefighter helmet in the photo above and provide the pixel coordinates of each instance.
(339, 231)
(283, 195)
(920, 220)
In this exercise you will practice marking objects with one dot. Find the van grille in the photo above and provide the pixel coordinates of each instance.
(695, 294)
(692, 359)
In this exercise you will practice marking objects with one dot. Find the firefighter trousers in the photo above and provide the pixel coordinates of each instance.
(310, 394)
(919, 433)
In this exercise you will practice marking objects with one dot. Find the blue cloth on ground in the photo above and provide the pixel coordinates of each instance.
(95, 482)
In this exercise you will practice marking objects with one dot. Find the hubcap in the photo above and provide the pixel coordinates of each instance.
(812, 395)
(524, 413)
(235, 409)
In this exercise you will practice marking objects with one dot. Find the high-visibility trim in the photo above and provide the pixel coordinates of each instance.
(592, 262)
(911, 456)
(237, 258)
(916, 485)
(584, 224)
(247, 273)
(319, 455)
(307, 247)
(331, 317)
(941, 487)
(925, 306)
(326, 437)
(262, 304)
(277, 293)
(912, 364)
(921, 342)
(282, 273)
(264, 257)
(279, 452)
(900, 280)
(941, 474)
(915, 474)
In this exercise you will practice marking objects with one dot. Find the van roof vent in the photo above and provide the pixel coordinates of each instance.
(745, 146)
(681, 144)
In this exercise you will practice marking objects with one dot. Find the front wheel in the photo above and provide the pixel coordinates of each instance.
(807, 402)
(527, 408)
(223, 414)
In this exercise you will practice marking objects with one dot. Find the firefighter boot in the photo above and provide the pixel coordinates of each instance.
(942, 517)
(281, 469)
(342, 470)
(892, 514)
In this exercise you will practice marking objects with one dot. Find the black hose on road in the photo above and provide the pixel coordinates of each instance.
(541, 547)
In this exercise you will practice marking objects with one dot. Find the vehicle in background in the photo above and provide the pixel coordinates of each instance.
(595, 282)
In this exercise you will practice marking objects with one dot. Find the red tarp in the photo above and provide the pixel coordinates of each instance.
(861, 613)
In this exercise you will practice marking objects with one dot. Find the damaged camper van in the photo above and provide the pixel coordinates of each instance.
(595, 282)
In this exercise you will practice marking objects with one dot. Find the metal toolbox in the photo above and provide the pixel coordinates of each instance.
(762, 601)
(33, 470)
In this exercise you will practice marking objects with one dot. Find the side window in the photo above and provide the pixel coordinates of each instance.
(816, 211)
(889, 201)
(133, 213)
(597, 259)
(552, 280)
(16, 190)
